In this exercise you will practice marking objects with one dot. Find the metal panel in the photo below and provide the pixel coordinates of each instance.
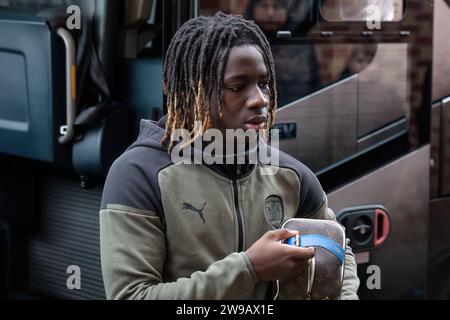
(383, 88)
(441, 50)
(372, 105)
(403, 188)
(435, 141)
(395, 129)
(26, 109)
(14, 113)
(68, 235)
(439, 250)
(445, 148)
(326, 124)
(439, 227)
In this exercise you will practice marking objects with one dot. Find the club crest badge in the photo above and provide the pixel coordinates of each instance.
(274, 211)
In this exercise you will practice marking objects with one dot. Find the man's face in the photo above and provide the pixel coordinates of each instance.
(293, 64)
(245, 91)
(270, 15)
(359, 61)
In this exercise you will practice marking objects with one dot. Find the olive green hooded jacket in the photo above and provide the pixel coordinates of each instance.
(179, 231)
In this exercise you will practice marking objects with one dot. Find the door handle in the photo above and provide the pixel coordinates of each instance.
(67, 131)
(382, 227)
(367, 227)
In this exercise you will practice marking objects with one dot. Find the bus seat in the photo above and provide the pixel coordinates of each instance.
(34, 81)
(105, 135)
(32, 91)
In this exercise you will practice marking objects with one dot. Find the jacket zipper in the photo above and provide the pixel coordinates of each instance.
(238, 214)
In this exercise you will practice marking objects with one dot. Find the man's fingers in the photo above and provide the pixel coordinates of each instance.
(301, 253)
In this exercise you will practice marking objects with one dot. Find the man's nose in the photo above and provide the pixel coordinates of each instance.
(257, 99)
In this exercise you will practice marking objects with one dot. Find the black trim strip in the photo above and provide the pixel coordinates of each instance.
(361, 164)
(239, 217)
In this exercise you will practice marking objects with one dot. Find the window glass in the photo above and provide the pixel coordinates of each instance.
(303, 69)
(270, 15)
(365, 101)
(363, 10)
(334, 100)
(36, 5)
(297, 70)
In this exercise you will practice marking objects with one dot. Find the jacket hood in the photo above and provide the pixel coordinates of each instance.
(150, 135)
(152, 132)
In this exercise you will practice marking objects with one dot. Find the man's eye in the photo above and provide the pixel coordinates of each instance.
(235, 88)
(264, 85)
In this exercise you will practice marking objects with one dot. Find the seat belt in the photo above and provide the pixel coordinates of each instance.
(92, 115)
(89, 71)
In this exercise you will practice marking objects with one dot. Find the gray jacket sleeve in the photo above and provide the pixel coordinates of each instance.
(133, 256)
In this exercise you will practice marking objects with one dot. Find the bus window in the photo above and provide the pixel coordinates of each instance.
(270, 15)
(362, 10)
(365, 100)
(297, 70)
(142, 34)
(334, 99)
(36, 5)
(301, 69)
(305, 68)
(297, 67)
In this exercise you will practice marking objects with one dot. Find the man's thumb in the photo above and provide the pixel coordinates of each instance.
(282, 234)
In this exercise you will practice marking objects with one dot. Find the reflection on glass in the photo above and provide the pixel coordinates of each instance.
(36, 5)
(359, 59)
(297, 72)
(303, 69)
(362, 10)
(270, 15)
(364, 88)
(369, 105)
(297, 67)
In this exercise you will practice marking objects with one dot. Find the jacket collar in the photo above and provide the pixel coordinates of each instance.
(231, 171)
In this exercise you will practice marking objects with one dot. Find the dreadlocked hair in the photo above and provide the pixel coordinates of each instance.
(194, 67)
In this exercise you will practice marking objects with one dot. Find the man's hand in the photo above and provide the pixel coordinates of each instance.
(273, 260)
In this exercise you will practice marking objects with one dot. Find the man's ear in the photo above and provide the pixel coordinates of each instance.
(165, 90)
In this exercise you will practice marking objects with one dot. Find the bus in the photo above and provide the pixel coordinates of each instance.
(363, 100)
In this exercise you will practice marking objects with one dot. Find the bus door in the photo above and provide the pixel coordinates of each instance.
(353, 84)
(439, 237)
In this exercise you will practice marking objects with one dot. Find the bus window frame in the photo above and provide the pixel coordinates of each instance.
(322, 15)
(357, 32)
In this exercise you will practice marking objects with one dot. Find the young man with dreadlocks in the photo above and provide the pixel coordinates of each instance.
(202, 231)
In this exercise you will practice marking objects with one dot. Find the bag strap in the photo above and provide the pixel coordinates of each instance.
(316, 240)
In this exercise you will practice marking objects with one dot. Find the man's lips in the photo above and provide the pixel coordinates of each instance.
(257, 122)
